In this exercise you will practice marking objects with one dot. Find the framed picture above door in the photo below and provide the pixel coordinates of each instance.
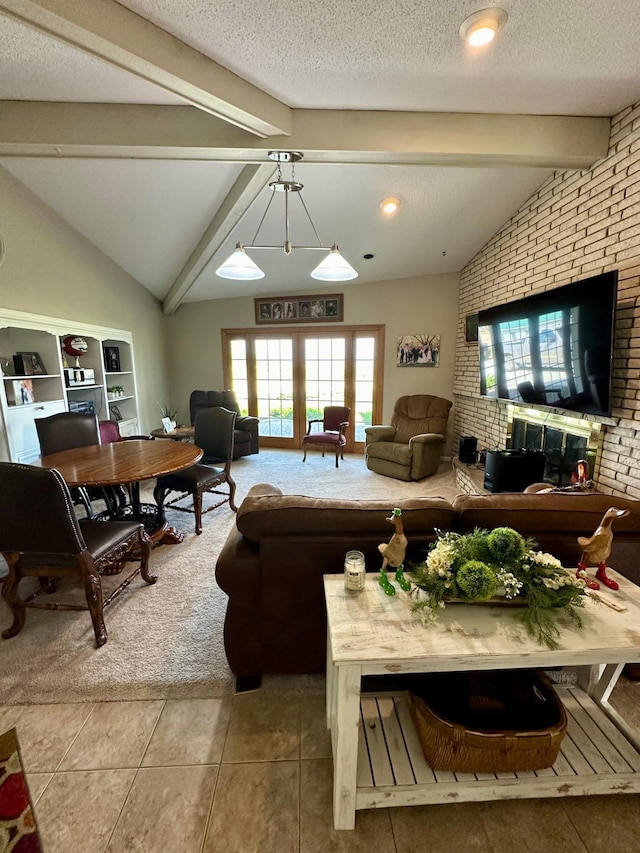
(299, 309)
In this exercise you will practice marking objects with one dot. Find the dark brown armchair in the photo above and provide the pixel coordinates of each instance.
(411, 447)
(214, 433)
(41, 537)
(246, 440)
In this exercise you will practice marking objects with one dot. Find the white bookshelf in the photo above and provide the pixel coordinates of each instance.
(26, 395)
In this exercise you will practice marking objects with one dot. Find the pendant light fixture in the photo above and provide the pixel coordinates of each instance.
(241, 267)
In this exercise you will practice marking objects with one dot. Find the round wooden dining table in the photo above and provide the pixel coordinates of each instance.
(128, 463)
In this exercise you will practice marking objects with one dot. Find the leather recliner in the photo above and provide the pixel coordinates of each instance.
(245, 437)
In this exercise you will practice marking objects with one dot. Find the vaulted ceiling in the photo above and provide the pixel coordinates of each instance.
(146, 124)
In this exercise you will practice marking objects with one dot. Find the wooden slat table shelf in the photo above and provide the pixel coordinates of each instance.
(594, 757)
(378, 759)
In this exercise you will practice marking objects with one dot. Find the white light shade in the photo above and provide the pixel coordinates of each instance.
(239, 266)
(334, 268)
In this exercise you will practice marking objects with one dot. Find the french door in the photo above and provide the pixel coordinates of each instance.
(287, 377)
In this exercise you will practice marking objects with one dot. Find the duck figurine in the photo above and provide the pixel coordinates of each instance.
(393, 553)
(596, 549)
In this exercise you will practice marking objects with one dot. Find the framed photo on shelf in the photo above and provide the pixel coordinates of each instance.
(23, 392)
(28, 364)
(111, 359)
(116, 414)
(276, 310)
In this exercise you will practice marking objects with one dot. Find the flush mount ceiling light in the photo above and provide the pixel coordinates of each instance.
(389, 205)
(481, 27)
(241, 267)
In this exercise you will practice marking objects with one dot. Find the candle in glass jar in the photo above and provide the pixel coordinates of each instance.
(354, 571)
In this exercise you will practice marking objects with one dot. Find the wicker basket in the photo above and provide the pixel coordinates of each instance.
(488, 722)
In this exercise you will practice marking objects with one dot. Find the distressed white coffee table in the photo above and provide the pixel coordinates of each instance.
(377, 757)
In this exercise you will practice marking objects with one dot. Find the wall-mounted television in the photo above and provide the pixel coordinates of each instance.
(553, 348)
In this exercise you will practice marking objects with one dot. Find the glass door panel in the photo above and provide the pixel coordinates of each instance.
(239, 377)
(364, 364)
(324, 366)
(274, 386)
(288, 379)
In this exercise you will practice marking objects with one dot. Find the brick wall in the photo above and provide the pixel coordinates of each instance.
(578, 224)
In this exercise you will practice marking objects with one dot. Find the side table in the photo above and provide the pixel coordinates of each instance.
(181, 433)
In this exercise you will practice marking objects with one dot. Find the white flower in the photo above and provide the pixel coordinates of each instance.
(510, 582)
(441, 557)
(544, 559)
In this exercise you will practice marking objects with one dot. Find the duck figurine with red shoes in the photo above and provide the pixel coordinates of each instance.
(596, 550)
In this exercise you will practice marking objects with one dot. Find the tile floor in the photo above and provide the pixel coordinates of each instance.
(252, 772)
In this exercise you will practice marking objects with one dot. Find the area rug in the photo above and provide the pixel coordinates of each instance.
(166, 640)
(18, 830)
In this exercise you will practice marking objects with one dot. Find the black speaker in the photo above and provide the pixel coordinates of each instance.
(468, 448)
(513, 470)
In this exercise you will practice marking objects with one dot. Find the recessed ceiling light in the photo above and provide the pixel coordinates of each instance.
(389, 205)
(481, 27)
(369, 256)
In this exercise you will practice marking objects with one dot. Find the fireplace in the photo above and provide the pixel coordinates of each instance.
(563, 440)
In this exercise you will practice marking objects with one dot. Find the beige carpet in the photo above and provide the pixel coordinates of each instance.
(165, 641)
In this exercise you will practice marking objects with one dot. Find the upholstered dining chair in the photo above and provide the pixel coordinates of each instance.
(334, 420)
(411, 446)
(41, 537)
(116, 497)
(214, 433)
(64, 431)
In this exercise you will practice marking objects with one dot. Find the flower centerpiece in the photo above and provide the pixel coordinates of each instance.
(499, 565)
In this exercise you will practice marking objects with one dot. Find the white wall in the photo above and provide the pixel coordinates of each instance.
(51, 269)
(426, 304)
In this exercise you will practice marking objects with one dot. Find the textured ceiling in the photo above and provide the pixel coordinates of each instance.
(149, 188)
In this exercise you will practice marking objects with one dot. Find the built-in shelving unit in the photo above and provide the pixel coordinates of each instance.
(55, 381)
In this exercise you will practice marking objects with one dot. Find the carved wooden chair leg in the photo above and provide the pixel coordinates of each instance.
(10, 595)
(232, 493)
(93, 592)
(145, 554)
(197, 508)
(304, 458)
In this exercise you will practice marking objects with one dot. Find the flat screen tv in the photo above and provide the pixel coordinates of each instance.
(553, 348)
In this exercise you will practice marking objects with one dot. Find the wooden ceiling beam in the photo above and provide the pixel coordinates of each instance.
(113, 33)
(37, 129)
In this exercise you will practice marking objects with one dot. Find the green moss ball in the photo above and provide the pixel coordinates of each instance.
(476, 581)
(506, 545)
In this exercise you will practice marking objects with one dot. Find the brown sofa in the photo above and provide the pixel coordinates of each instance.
(272, 563)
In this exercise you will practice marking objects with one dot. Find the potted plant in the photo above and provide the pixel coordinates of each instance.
(168, 412)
